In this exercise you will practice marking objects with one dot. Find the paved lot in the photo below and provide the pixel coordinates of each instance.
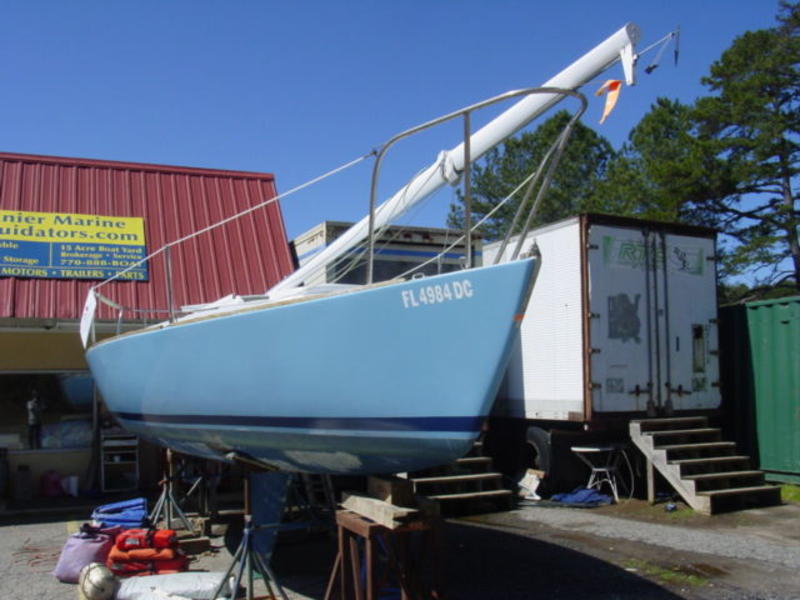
(624, 552)
(748, 555)
(28, 554)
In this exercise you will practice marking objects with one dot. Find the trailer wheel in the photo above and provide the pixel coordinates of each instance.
(538, 451)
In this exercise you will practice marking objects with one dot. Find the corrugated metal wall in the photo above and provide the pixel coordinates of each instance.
(763, 367)
(774, 328)
(246, 256)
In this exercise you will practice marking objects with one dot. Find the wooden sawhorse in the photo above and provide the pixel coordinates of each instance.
(412, 555)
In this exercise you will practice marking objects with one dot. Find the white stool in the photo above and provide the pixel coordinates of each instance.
(603, 461)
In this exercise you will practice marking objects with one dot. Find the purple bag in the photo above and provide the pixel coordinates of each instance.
(88, 545)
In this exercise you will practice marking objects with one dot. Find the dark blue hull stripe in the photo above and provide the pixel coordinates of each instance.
(459, 424)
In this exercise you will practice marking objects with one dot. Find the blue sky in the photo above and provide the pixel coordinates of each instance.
(296, 88)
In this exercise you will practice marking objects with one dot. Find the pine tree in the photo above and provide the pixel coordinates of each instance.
(749, 135)
(504, 168)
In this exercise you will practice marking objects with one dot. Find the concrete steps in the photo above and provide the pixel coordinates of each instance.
(704, 469)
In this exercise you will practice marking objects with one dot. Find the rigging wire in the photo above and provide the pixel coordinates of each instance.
(234, 217)
(663, 42)
(354, 260)
(477, 225)
(354, 257)
(532, 177)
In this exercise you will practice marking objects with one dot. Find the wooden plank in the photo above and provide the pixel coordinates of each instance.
(663, 433)
(644, 426)
(458, 478)
(723, 475)
(194, 545)
(761, 489)
(470, 495)
(707, 460)
(381, 512)
(396, 491)
(698, 446)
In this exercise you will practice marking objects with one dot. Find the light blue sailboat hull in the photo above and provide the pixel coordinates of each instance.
(385, 379)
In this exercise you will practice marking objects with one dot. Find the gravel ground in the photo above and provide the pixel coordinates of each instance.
(614, 553)
(751, 555)
(741, 543)
(28, 554)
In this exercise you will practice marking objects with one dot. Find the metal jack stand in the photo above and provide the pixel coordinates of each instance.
(248, 557)
(166, 505)
(245, 559)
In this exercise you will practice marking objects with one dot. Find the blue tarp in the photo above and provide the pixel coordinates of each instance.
(583, 497)
(127, 514)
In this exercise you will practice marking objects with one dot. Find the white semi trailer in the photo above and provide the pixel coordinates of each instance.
(622, 324)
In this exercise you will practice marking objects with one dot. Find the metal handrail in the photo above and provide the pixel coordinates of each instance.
(551, 158)
(465, 114)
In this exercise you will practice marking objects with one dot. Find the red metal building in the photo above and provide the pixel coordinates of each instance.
(245, 256)
(41, 299)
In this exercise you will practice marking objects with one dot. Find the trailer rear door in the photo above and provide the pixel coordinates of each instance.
(652, 321)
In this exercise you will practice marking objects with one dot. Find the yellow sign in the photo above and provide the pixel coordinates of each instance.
(71, 246)
(66, 227)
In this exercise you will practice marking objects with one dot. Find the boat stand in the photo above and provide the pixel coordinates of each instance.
(167, 506)
(407, 558)
(245, 560)
(261, 527)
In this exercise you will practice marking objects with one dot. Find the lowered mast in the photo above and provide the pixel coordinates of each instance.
(449, 165)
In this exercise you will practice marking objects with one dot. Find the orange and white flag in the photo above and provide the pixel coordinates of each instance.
(612, 86)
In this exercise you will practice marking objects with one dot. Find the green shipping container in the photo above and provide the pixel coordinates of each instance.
(761, 382)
